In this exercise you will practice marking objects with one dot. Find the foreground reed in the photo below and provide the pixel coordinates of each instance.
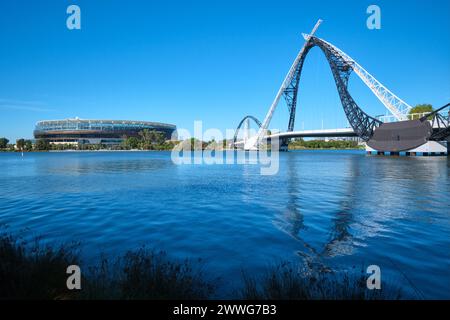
(34, 271)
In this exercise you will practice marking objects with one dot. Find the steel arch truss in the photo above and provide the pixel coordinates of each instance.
(361, 122)
(258, 123)
(291, 92)
(440, 122)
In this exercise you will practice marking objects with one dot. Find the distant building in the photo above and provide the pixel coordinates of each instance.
(108, 132)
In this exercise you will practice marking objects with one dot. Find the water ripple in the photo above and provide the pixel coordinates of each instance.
(328, 210)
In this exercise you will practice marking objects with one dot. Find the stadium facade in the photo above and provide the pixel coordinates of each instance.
(108, 132)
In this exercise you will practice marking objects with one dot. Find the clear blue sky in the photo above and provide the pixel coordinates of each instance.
(216, 61)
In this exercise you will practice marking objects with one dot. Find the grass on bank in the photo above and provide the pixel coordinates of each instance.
(33, 271)
(146, 274)
(283, 282)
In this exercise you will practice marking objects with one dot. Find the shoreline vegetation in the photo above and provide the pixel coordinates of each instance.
(34, 271)
(150, 140)
(300, 144)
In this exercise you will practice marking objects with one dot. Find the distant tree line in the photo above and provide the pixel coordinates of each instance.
(147, 140)
(4, 144)
(24, 145)
(322, 144)
(154, 140)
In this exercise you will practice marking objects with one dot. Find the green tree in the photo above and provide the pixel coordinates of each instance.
(147, 137)
(420, 108)
(151, 139)
(159, 138)
(196, 144)
(225, 143)
(42, 145)
(131, 143)
(20, 144)
(3, 143)
(28, 145)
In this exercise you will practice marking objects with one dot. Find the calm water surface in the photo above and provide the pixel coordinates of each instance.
(324, 209)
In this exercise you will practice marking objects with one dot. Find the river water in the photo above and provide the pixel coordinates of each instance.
(332, 210)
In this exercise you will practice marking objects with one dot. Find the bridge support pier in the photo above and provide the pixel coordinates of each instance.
(284, 145)
(431, 148)
(283, 149)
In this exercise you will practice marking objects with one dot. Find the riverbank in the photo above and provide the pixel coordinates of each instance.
(34, 271)
(303, 148)
(159, 150)
(75, 150)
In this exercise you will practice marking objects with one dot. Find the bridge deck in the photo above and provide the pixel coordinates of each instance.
(320, 133)
(342, 132)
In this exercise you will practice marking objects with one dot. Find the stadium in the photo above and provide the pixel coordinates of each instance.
(108, 132)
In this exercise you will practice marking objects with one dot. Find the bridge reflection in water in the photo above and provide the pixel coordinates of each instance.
(355, 214)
